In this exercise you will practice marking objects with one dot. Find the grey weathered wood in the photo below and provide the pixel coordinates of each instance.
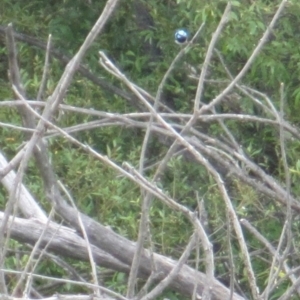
(68, 243)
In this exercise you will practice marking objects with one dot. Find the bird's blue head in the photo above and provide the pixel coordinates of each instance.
(181, 36)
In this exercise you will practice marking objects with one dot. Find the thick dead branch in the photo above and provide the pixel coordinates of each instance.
(65, 240)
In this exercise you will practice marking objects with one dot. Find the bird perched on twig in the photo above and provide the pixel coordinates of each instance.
(181, 36)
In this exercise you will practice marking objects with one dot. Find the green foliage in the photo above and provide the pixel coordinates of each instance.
(113, 200)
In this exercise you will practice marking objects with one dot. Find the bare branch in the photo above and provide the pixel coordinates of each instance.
(208, 56)
(45, 71)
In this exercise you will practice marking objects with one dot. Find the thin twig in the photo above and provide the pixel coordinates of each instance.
(249, 62)
(45, 71)
(31, 257)
(64, 280)
(146, 197)
(167, 280)
(86, 238)
(209, 53)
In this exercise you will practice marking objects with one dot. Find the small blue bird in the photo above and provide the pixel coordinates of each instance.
(181, 36)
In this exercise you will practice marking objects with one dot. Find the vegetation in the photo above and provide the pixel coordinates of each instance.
(201, 165)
